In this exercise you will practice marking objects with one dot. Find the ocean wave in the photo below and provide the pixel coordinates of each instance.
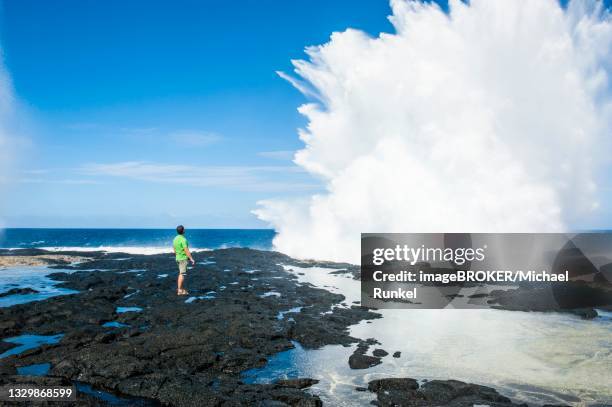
(116, 249)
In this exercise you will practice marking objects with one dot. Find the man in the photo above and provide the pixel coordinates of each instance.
(182, 253)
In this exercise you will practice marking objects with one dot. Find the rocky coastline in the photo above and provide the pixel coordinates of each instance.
(176, 350)
(126, 332)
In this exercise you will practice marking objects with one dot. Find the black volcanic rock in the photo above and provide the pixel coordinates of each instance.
(359, 361)
(572, 296)
(297, 383)
(452, 393)
(18, 291)
(175, 352)
(585, 313)
(572, 259)
(380, 353)
(604, 275)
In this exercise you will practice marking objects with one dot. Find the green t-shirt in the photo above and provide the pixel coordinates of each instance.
(180, 244)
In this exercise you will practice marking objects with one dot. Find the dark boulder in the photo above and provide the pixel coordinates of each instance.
(18, 291)
(380, 353)
(444, 393)
(359, 361)
(301, 383)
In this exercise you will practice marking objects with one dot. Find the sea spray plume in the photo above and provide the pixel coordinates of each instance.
(489, 118)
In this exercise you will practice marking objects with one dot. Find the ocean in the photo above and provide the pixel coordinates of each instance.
(135, 241)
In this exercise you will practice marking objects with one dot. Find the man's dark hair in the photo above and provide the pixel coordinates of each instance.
(180, 229)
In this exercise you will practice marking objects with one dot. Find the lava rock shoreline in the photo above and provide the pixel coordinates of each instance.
(177, 353)
(174, 352)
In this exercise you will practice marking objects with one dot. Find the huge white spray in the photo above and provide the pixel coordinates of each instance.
(488, 118)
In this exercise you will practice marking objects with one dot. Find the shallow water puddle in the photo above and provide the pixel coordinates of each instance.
(131, 294)
(27, 342)
(162, 275)
(114, 324)
(201, 297)
(121, 310)
(281, 314)
(40, 369)
(30, 277)
(280, 366)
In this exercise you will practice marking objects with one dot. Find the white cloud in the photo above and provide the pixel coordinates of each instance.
(302, 86)
(67, 181)
(255, 178)
(492, 118)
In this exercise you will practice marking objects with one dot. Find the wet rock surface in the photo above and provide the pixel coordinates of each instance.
(179, 350)
(575, 297)
(297, 383)
(36, 257)
(359, 359)
(407, 392)
(18, 291)
(380, 353)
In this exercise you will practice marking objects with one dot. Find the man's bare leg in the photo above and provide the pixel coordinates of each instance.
(180, 290)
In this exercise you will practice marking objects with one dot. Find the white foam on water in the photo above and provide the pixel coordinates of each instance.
(532, 357)
(270, 294)
(117, 249)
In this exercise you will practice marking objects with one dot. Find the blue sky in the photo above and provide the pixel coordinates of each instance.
(146, 114)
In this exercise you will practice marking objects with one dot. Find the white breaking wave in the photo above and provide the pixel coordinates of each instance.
(491, 118)
(116, 249)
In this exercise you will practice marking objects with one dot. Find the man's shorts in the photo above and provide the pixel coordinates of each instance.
(182, 265)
